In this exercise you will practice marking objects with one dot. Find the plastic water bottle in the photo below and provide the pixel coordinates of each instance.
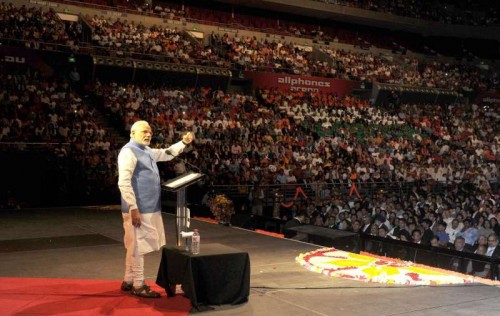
(195, 243)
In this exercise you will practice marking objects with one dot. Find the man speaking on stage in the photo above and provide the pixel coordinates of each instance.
(140, 187)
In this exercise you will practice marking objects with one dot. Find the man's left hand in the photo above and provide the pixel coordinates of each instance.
(136, 217)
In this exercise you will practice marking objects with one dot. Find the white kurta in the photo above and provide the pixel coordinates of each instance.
(149, 237)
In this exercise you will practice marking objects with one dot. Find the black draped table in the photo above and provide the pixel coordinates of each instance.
(217, 275)
(328, 237)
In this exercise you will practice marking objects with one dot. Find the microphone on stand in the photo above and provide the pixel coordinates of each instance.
(168, 152)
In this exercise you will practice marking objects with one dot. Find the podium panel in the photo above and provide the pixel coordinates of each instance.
(179, 185)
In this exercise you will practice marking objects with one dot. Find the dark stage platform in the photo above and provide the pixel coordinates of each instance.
(86, 243)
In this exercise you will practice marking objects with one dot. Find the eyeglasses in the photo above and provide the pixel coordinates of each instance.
(492, 240)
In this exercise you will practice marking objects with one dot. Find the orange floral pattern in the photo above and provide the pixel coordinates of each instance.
(369, 268)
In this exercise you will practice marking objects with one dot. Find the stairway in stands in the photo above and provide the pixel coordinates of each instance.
(114, 135)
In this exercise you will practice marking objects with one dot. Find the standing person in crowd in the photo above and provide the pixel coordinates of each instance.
(453, 229)
(256, 197)
(139, 184)
(479, 268)
(298, 220)
(367, 224)
(427, 234)
(493, 251)
(457, 263)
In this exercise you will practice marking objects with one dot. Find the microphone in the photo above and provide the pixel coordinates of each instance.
(168, 152)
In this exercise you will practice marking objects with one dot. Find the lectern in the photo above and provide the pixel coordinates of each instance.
(179, 185)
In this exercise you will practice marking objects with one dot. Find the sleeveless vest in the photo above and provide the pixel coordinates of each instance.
(145, 180)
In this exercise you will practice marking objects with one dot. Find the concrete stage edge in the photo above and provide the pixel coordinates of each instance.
(279, 286)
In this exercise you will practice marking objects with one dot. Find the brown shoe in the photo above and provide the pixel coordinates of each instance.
(126, 287)
(144, 291)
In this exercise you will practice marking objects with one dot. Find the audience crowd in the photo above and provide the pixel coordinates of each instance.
(322, 143)
(325, 145)
(474, 12)
(35, 26)
(461, 219)
(121, 38)
(249, 53)
(125, 39)
(36, 109)
(443, 159)
(263, 55)
(370, 67)
(430, 142)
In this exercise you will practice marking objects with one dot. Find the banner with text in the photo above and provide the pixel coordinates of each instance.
(287, 82)
(488, 98)
(18, 57)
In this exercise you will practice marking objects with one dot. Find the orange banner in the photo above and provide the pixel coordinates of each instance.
(298, 190)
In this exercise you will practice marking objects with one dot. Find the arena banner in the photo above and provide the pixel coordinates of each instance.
(288, 82)
(488, 98)
(16, 57)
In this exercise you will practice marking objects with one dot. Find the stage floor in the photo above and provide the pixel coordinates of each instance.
(86, 243)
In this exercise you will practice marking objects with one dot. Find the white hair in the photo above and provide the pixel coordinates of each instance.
(137, 125)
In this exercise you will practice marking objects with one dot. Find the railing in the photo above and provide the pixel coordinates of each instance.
(319, 192)
(33, 146)
(444, 258)
(449, 259)
(87, 49)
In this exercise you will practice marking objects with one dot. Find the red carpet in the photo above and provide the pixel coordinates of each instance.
(37, 296)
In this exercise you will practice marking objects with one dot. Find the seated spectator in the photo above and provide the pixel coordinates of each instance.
(479, 268)
(382, 231)
(400, 230)
(442, 235)
(416, 236)
(460, 245)
(356, 226)
(469, 232)
(482, 240)
(435, 242)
